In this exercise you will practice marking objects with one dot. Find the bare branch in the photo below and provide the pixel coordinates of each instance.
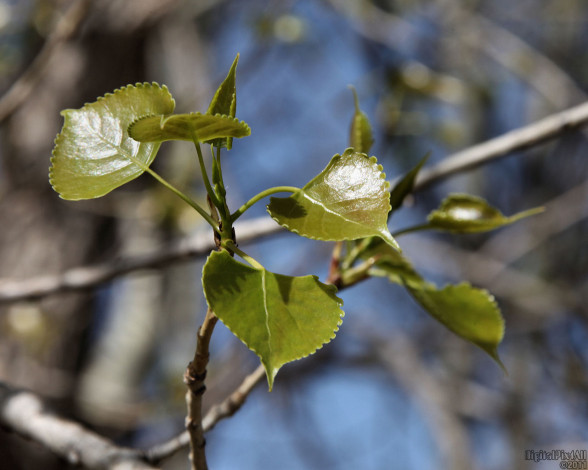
(66, 28)
(25, 414)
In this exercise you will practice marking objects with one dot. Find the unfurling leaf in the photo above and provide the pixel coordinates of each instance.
(465, 214)
(93, 153)
(360, 134)
(224, 102)
(404, 187)
(346, 201)
(201, 127)
(280, 318)
(469, 312)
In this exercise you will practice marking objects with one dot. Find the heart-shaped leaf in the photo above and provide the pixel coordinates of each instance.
(280, 318)
(360, 134)
(404, 187)
(469, 312)
(93, 153)
(224, 101)
(202, 127)
(346, 201)
(465, 214)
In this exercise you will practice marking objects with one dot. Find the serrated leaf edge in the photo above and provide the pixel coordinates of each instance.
(274, 371)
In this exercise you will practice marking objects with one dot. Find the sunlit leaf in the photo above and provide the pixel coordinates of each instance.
(280, 318)
(469, 312)
(464, 213)
(404, 187)
(360, 134)
(202, 127)
(93, 153)
(224, 101)
(346, 201)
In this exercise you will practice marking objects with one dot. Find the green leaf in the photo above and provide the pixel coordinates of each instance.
(469, 312)
(93, 153)
(465, 214)
(346, 201)
(280, 318)
(225, 101)
(404, 187)
(360, 134)
(203, 127)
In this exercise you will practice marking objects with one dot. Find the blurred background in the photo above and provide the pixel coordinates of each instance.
(395, 390)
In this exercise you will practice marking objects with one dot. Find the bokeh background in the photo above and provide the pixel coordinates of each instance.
(395, 390)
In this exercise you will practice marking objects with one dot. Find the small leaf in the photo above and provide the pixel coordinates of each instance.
(465, 214)
(187, 126)
(224, 101)
(280, 318)
(93, 153)
(404, 187)
(469, 312)
(360, 134)
(346, 201)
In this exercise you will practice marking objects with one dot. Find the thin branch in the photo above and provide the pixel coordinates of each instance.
(88, 277)
(67, 27)
(25, 414)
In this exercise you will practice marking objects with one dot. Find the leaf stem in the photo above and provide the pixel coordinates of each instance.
(277, 189)
(414, 228)
(185, 198)
(230, 245)
(213, 197)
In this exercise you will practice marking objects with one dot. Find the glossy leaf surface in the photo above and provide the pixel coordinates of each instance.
(280, 318)
(93, 153)
(187, 126)
(346, 201)
(465, 214)
(224, 102)
(469, 312)
(404, 187)
(360, 135)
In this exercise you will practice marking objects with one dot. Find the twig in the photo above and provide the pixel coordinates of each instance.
(66, 28)
(25, 414)
(199, 245)
(194, 379)
(227, 408)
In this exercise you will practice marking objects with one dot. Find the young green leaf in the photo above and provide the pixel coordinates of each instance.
(360, 134)
(203, 127)
(93, 153)
(224, 101)
(346, 201)
(463, 213)
(280, 318)
(404, 187)
(469, 312)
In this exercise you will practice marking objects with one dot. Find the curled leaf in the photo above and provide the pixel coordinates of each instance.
(202, 127)
(93, 153)
(224, 101)
(465, 214)
(404, 187)
(346, 201)
(280, 318)
(360, 134)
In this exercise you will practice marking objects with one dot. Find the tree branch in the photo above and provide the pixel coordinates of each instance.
(88, 277)
(25, 414)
